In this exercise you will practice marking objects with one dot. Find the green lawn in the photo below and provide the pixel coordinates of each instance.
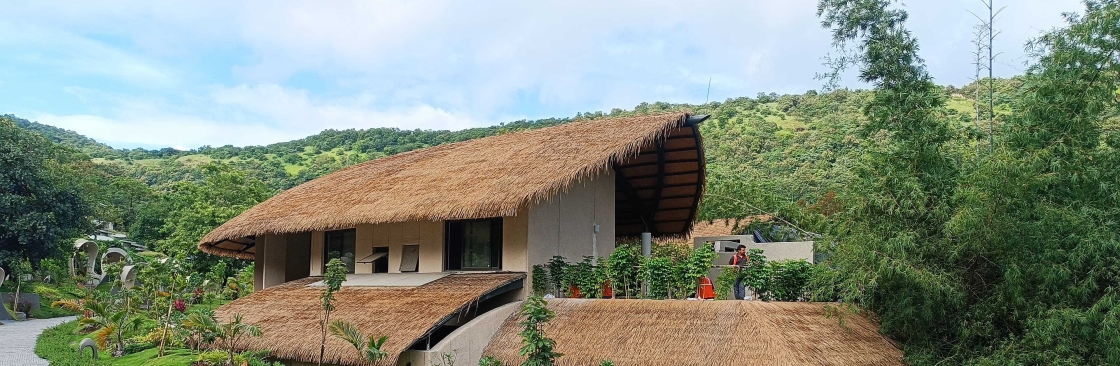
(204, 305)
(59, 345)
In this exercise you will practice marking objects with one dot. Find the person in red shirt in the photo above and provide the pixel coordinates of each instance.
(740, 259)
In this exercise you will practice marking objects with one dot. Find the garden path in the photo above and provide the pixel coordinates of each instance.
(17, 340)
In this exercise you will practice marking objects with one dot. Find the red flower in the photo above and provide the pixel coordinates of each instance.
(180, 305)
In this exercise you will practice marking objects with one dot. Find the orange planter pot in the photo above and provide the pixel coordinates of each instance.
(706, 290)
(607, 291)
(574, 291)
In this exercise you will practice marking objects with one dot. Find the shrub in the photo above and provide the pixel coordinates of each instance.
(137, 347)
(789, 280)
(657, 272)
(540, 280)
(538, 349)
(489, 361)
(556, 269)
(219, 358)
(623, 266)
(46, 292)
(46, 312)
(726, 282)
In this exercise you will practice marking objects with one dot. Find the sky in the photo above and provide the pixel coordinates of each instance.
(183, 74)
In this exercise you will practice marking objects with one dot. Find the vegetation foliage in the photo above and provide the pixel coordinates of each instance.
(965, 251)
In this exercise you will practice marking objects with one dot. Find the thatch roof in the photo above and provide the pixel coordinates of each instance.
(657, 160)
(288, 314)
(681, 332)
(717, 227)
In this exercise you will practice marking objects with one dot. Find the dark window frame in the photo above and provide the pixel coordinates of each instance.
(453, 244)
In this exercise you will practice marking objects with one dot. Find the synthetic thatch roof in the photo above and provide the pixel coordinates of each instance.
(657, 160)
(288, 314)
(718, 227)
(681, 332)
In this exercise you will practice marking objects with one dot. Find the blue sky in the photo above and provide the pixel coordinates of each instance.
(189, 73)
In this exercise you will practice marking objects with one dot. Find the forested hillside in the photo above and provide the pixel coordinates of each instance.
(969, 240)
(769, 153)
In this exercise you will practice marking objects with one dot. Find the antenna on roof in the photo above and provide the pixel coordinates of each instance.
(709, 91)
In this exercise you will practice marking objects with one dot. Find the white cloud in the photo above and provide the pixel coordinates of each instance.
(67, 53)
(237, 72)
(240, 116)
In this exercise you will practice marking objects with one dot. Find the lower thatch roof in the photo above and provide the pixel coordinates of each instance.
(288, 314)
(680, 332)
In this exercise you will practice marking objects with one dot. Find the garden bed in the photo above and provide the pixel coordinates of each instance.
(59, 346)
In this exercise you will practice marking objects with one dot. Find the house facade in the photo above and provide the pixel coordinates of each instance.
(502, 203)
(563, 225)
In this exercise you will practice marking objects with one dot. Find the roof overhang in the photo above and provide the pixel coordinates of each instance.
(659, 190)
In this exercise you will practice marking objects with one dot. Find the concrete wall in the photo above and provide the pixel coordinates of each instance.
(427, 234)
(317, 253)
(28, 302)
(271, 256)
(564, 224)
(465, 343)
(515, 242)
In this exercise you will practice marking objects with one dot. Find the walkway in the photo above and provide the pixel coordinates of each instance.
(17, 340)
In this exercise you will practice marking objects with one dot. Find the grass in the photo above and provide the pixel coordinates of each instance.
(205, 305)
(293, 169)
(59, 346)
(960, 104)
(195, 159)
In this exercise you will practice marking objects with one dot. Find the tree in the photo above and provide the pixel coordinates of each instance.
(332, 282)
(172, 281)
(985, 36)
(890, 255)
(195, 209)
(369, 349)
(535, 346)
(42, 194)
(1038, 223)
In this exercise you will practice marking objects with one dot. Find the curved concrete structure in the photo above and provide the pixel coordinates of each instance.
(466, 343)
(128, 276)
(90, 249)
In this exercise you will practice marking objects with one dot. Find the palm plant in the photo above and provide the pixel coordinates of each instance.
(232, 332)
(201, 327)
(111, 325)
(369, 349)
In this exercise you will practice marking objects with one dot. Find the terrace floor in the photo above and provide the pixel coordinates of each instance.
(389, 279)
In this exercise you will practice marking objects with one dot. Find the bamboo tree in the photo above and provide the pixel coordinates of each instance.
(890, 252)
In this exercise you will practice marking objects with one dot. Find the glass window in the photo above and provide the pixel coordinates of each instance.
(339, 244)
(474, 244)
